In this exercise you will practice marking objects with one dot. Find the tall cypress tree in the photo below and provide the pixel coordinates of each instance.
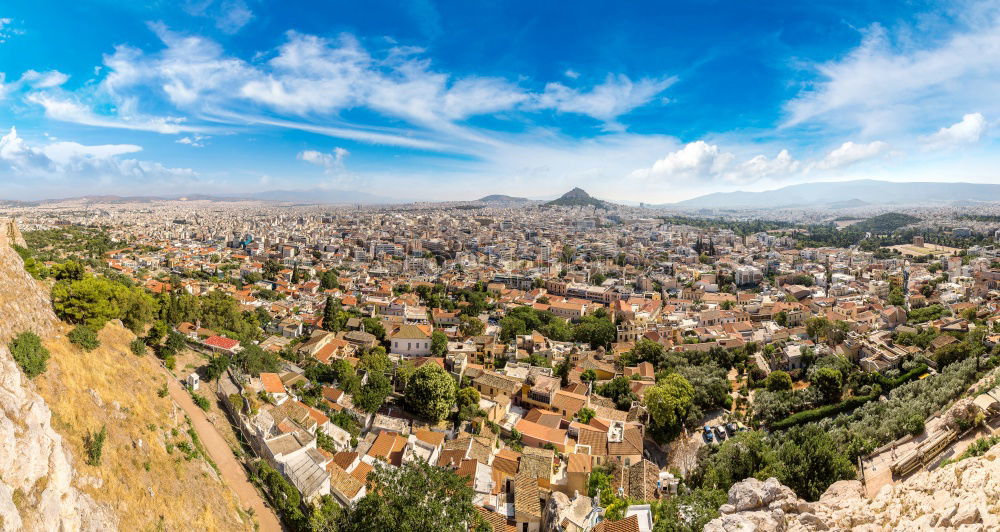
(330, 312)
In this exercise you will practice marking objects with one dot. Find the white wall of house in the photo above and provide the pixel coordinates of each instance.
(410, 347)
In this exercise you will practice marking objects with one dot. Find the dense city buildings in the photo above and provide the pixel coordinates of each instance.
(571, 363)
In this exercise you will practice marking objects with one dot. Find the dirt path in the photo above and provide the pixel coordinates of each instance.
(218, 449)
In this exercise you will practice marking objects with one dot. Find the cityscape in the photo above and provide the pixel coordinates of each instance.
(357, 280)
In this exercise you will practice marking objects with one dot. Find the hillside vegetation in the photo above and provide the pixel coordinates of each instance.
(151, 473)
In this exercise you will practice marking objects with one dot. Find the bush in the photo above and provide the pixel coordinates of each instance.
(85, 337)
(201, 401)
(94, 445)
(28, 352)
(138, 347)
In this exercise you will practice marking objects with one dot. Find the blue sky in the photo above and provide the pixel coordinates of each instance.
(425, 100)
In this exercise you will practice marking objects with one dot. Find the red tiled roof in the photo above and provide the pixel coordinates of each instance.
(221, 342)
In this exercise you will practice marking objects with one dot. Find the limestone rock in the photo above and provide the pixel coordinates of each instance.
(960, 496)
(36, 472)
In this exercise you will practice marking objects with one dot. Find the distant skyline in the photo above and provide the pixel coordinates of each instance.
(419, 100)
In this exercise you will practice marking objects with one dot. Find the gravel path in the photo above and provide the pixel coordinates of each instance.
(218, 449)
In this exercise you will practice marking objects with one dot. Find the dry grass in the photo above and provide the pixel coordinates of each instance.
(146, 487)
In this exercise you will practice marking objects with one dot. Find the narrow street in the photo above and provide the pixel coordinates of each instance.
(231, 469)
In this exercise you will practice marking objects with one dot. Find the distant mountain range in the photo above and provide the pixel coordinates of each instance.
(577, 198)
(845, 194)
(319, 196)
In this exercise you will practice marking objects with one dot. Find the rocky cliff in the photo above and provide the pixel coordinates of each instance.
(37, 489)
(960, 496)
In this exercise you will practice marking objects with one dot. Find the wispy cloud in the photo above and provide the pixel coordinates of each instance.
(309, 82)
(60, 160)
(895, 82)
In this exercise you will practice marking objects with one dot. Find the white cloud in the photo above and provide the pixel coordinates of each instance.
(71, 111)
(695, 160)
(968, 131)
(33, 79)
(235, 14)
(617, 96)
(310, 81)
(6, 31)
(195, 141)
(571, 74)
(760, 166)
(331, 162)
(892, 83)
(72, 160)
(44, 80)
(851, 153)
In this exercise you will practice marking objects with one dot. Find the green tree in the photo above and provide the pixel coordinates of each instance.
(811, 461)
(829, 382)
(331, 311)
(90, 300)
(430, 392)
(328, 280)
(470, 326)
(325, 515)
(748, 454)
(69, 270)
(216, 367)
(596, 331)
(374, 326)
(372, 394)
(585, 415)
(778, 381)
(689, 512)
(468, 403)
(668, 403)
(896, 297)
(618, 390)
(27, 350)
(271, 269)
(439, 344)
(252, 360)
(375, 360)
(413, 497)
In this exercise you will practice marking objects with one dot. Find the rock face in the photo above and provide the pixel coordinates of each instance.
(960, 496)
(36, 473)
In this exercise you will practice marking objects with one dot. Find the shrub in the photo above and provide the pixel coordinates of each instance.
(85, 337)
(29, 353)
(93, 442)
(201, 401)
(138, 347)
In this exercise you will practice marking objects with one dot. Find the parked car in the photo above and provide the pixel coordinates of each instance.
(720, 432)
(732, 429)
(707, 433)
